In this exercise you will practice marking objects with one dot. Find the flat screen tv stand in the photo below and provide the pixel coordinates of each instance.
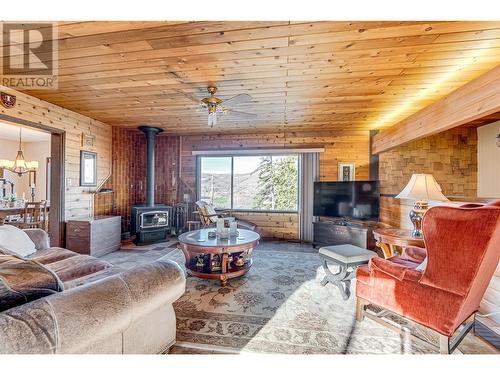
(342, 231)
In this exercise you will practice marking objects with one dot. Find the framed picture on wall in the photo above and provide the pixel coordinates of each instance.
(88, 168)
(347, 171)
(87, 140)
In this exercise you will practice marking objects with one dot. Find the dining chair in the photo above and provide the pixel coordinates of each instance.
(35, 215)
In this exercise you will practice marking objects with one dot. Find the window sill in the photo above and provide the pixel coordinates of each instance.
(259, 211)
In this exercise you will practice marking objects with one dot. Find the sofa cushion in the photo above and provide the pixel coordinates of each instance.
(14, 241)
(68, 265)
(24, 280)
(53, 254)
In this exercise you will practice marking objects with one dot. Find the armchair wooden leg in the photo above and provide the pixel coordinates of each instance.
(360, 307)
(444, 344)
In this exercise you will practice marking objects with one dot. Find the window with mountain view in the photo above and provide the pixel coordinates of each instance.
(264, 182)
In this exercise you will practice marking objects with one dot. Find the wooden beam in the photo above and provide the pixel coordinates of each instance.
(474, 100)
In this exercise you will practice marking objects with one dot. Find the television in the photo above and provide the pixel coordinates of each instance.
(347, 199)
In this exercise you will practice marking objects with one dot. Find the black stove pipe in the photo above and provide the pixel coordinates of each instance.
(150, 133)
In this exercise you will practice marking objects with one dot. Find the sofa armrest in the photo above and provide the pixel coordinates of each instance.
(74, 320)
(39, 237)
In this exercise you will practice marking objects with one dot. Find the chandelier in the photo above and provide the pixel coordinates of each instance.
(19, 166)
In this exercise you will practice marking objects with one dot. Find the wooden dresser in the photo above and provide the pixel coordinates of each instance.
(95, 237)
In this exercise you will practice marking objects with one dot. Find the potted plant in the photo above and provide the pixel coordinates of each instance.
(12, 200)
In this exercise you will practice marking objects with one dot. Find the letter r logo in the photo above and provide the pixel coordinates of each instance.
(28, 49)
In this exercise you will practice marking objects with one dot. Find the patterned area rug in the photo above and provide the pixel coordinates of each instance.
(278, 307)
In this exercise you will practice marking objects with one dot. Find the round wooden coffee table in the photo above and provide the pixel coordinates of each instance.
(218, 258)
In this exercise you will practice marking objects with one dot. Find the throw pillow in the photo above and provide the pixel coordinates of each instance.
(14, 241)
(23, 280)
(422, 266)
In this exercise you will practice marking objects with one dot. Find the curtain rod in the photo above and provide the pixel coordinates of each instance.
(273, 151)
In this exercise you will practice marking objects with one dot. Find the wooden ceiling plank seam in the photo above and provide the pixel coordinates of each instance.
(270, 53)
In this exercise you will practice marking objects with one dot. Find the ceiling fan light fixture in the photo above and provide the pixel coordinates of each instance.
(212, 118)
(212, 114)
(214, 105)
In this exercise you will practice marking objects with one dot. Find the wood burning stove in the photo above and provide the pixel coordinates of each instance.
(150, 222)
(153, 219)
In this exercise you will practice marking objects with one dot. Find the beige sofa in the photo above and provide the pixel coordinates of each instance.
(125, 312)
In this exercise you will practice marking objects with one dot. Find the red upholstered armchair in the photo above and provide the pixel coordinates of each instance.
(462, 250)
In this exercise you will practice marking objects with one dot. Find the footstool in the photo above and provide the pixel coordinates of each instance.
(347, 257)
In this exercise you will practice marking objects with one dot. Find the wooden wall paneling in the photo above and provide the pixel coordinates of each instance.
(273, 225)
(176, 167)
(104, 203)
(129, 171)
(450, 156)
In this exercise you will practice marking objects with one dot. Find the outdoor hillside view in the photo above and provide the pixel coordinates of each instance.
(259, 182)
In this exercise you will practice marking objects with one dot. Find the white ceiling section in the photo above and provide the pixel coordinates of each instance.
(11, 133)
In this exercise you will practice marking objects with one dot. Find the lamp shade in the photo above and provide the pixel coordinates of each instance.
(422, 187)
(6, 163)
(32, 164)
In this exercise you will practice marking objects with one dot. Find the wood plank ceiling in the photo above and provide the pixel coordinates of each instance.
(307, 76)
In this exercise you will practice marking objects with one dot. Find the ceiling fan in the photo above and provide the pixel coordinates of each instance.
(220, 106)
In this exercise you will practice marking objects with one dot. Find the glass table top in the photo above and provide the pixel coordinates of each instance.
(200, 238)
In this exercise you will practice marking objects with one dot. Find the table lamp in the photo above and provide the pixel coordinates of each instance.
(422, 188)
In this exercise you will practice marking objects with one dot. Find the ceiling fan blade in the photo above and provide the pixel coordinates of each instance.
(241, 114)
(240, 98)
(201, 109)
(190, 96)
(185, 86)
